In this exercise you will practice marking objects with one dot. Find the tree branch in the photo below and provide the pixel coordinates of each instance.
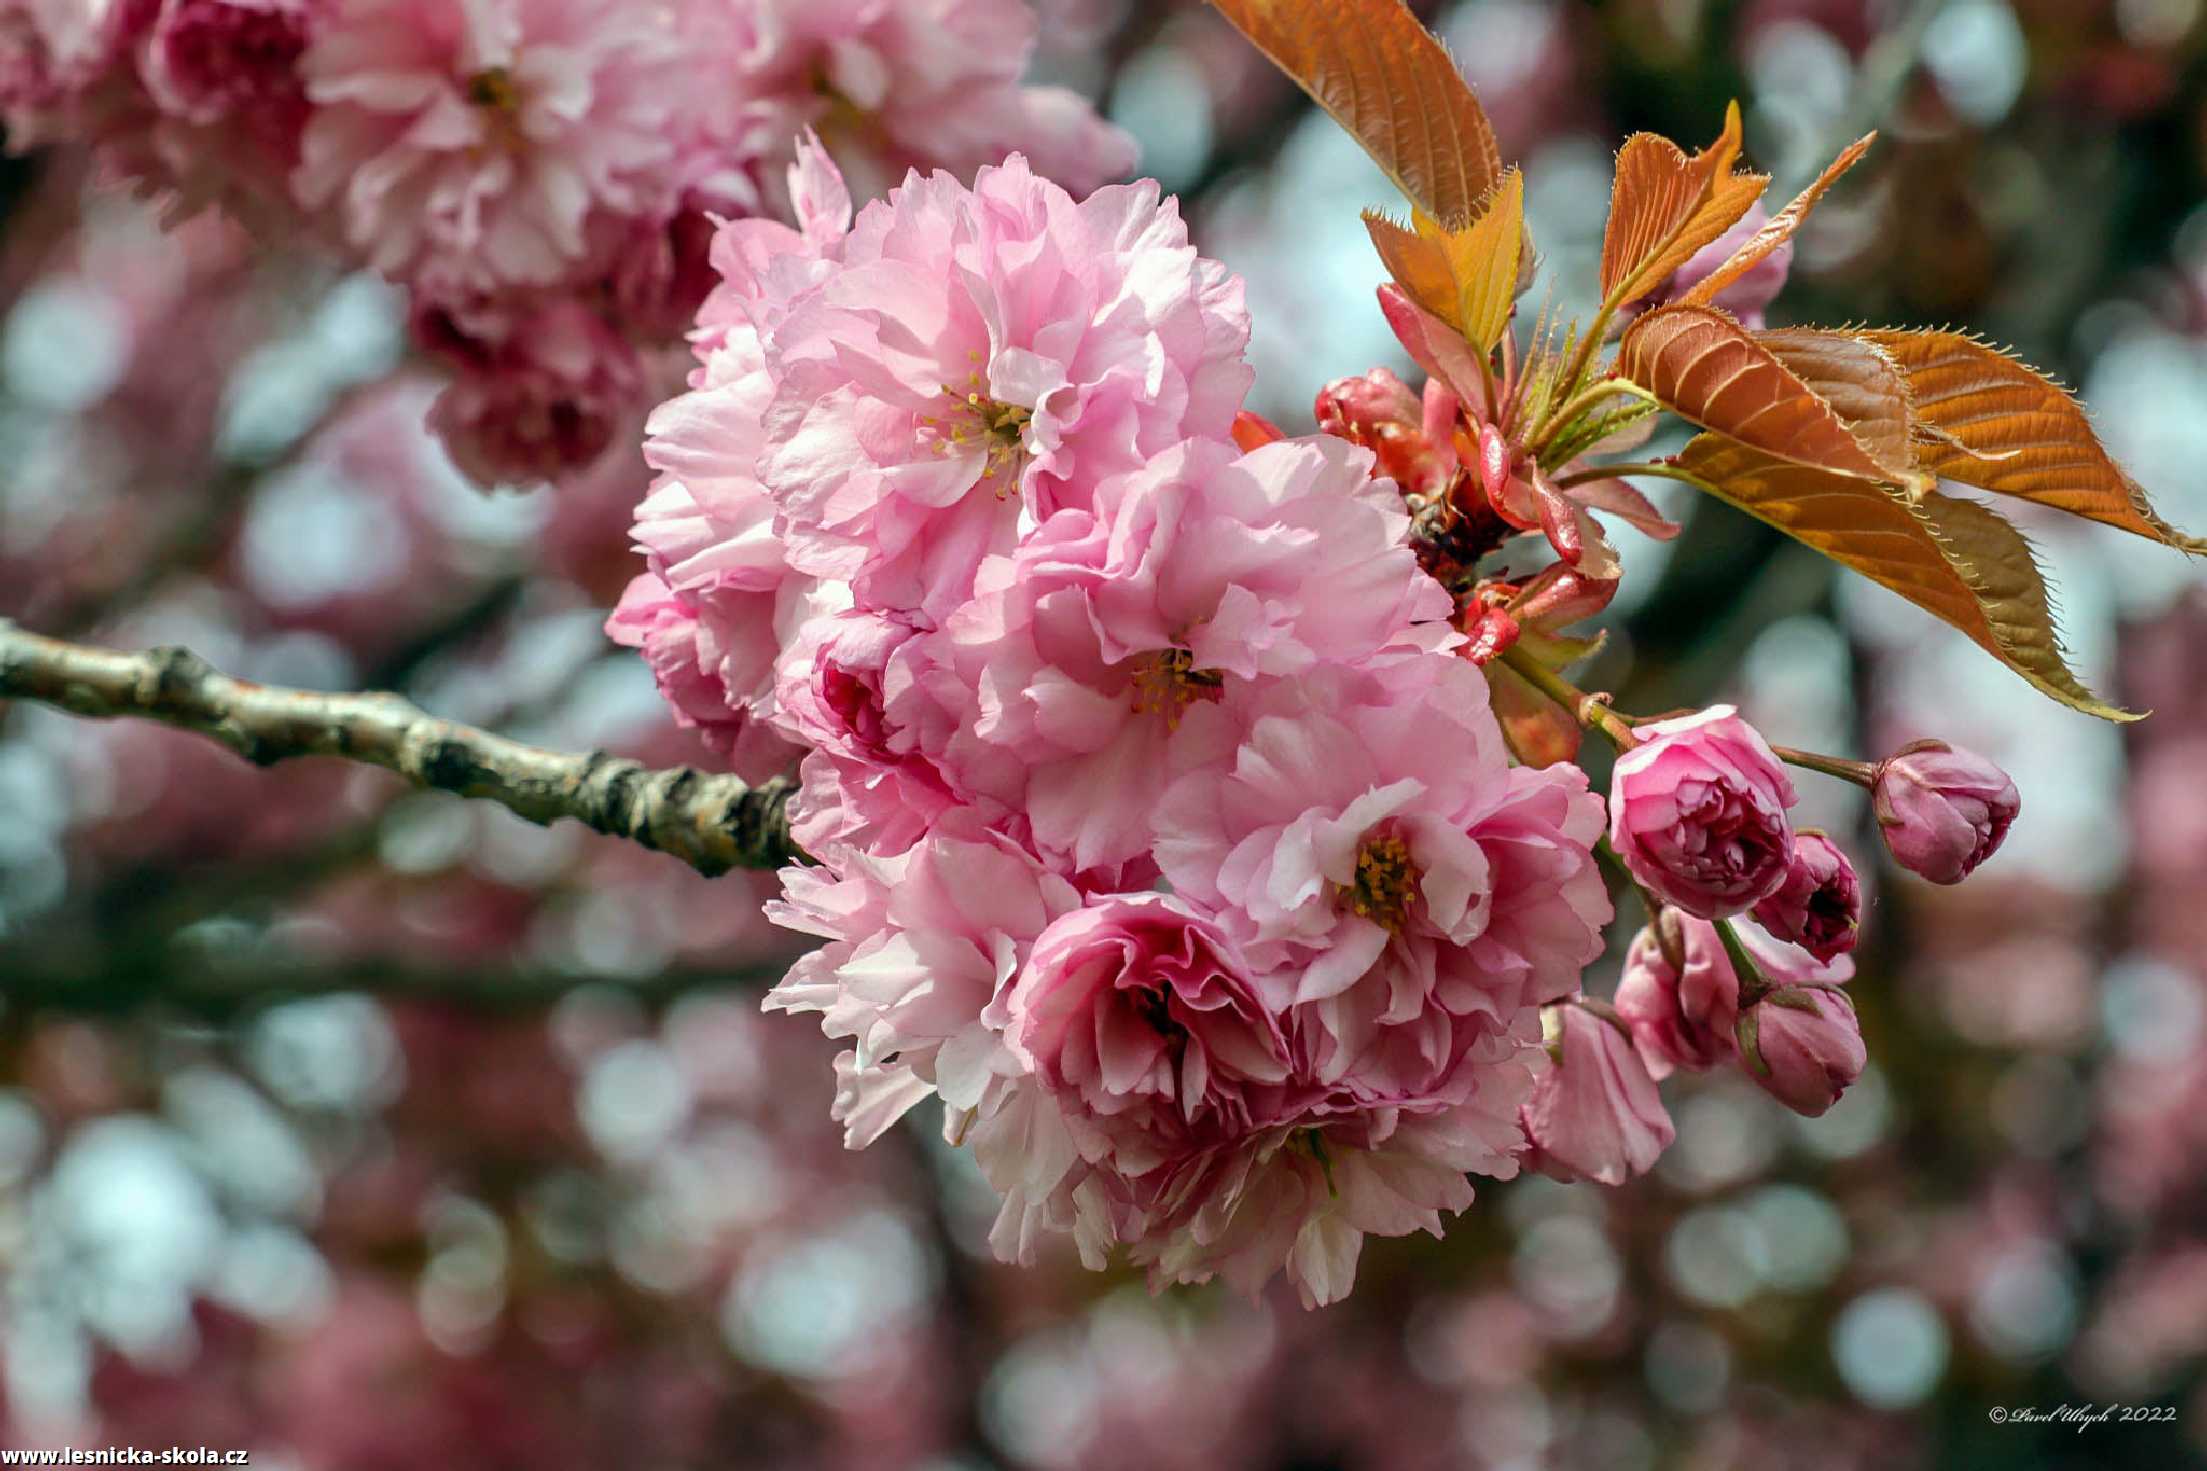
(713, 822)
(214, 988)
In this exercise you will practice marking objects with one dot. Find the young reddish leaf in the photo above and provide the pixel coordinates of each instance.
(1468, 277)
(1665, 206)
(1953, 558)
(1705, 367)
(1862, 385)
(1485, 259)
(1778, 231)
(2001, 426)
(1386, 80)
(1434, 346)
(1620, 499)
(1572, 530)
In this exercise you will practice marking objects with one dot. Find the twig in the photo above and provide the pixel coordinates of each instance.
(215, 988)
(713, 822)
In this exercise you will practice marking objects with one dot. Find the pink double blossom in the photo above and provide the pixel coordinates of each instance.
(1697, 810)
(1363, 833)
(1189, 581)
(980, 353)
(467, 146)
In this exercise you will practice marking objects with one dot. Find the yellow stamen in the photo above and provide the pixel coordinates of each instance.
(1386, 881)
(1168, 683)
(493, 88)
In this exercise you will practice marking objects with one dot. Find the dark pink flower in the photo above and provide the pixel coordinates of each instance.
(1819, 906)
(205, 59)
(550, 399)
(1144, 1022)
(1943, 810)
(1697, 810)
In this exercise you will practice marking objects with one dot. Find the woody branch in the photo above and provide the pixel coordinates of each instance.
(712, 821)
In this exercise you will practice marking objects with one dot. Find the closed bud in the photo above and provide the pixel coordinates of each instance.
(1943, 810)
(1803, 1046)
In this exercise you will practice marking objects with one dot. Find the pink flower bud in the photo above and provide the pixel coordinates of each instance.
(1594, 1113)
(1819, 906)
(1697, 811)
(1682, 998)
(1803, 1045)
(1491, 631)
(1943, 810)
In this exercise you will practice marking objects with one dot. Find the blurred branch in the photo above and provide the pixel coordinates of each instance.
(213, 987)
(712, 822)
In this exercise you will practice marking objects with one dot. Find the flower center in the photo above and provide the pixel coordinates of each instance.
(1167, 683)
(1386, 881)
(972, 420)
(493, 88)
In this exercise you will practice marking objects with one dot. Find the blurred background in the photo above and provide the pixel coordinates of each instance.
(363, 1128)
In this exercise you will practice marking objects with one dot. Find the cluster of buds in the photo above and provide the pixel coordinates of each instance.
(1745, 955)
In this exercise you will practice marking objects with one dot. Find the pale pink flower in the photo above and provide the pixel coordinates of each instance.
(1819, 905)
(1803, 1046)
(549, 398)
(976, 354)
(1686, 1016)
(467, 145)
(723, 606)
(867, 783)
(1363, 835)
(1942, 810)
(918, 946)
(1697, 810)
(1594, 1113)
(1205, 571)
(1301, 1199)
(894, 85)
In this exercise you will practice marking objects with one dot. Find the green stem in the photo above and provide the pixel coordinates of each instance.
(1653, 905)
(1589, 710)
(1654, 468)
(1752, 984)
(1861, 773)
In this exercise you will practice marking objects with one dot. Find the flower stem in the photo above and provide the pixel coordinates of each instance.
(1591, 711)
(1653, 905)
(1861, 773)
(1752, 984)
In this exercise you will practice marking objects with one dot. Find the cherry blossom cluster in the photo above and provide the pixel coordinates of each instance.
(541, 175)
(1160, 829)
